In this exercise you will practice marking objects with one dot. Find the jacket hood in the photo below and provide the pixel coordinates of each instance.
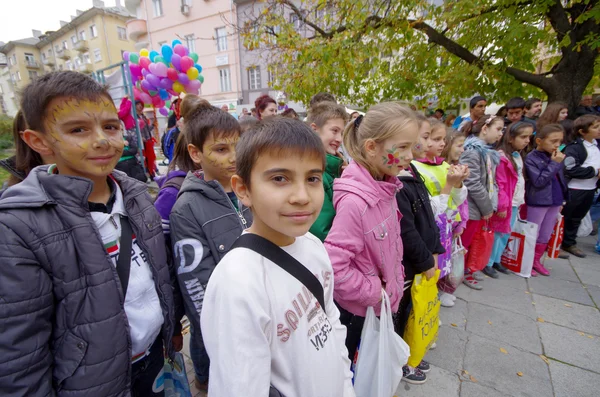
(41, 188)
(161, 180)
(194, 182)
(474, 143)
(357, 180)
(333, 165)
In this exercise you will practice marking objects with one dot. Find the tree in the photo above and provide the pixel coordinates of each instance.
(367, 51)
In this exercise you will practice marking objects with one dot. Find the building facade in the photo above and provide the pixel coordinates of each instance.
(92, 40)
(206, 27)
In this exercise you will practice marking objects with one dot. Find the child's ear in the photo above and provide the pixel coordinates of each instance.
(538, 141)
(241, 190)
(370, 147)
(314, 127)
(195, 154)
(37, 142)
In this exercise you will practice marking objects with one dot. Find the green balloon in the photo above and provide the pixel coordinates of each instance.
(168, 104)
(134, 58)
(158, 59)
(152, 93)
(194, 56)
(201, 78)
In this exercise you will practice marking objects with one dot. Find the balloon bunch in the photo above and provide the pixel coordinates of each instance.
(157, 77)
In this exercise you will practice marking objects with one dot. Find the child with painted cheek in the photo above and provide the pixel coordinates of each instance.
(207, 217)
(511, 191)
(364, 242)
(90, 299)
(444, 183)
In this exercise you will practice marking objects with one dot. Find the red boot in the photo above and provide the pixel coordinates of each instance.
(537, 265)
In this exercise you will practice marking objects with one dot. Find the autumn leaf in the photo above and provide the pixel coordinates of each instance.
(590, 336)
(489, 322)
(454, 325)
(520, 373)
(567, 305)
(473, 379)
(465, 372)
(545, 359)
(503, 350)
(527, 292)
(581, 333)
(540, 320)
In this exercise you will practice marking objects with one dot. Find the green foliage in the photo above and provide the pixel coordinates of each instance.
(364, 52)
(6, 137)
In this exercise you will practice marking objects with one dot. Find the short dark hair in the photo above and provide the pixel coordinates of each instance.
(549, 129)
(205, 120)
(322, 112)
(476, 99)
(290, 113)
(583, 123)
(321, 97)
(530, 102)
(37, 96)
(277, 136)
(515, 103)
(440, 111)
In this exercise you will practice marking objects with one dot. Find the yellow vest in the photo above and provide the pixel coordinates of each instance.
(434, 177)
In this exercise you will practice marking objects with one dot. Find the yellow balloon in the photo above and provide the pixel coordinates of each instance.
(192, 73)
(178, 87)
(144, 52)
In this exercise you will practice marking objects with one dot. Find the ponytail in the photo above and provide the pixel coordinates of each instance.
(26, 158)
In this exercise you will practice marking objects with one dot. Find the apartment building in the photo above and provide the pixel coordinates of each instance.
(92, 40)
(206, 28)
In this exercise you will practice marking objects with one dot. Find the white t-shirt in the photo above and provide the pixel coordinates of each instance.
(592, 160)
(262, 327)
(142, 305)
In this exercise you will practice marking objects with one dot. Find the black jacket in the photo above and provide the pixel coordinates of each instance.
(420, 234)
(575, 156)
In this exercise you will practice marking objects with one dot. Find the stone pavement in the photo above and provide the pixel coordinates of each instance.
(517, 337)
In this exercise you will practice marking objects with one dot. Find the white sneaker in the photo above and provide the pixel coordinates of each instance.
(446, 300)
(453, 297)
(433, 346)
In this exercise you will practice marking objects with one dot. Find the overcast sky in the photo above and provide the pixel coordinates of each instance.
(19, 17)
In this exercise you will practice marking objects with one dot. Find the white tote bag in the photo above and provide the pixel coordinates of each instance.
(520, 249)
(586, 226)
(381, 355)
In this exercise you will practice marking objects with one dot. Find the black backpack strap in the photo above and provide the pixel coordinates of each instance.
(124, 261)
(285, 261)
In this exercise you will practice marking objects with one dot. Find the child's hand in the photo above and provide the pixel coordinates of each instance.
(466, 171)
(558, 156)
(454, 177)
(486, 217)
(431, 272)
(458, 233)
(501, 214)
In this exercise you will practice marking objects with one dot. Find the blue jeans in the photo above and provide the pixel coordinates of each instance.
(199, 355)
(501, 239)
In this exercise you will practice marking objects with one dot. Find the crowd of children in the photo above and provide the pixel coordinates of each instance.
(273, 238)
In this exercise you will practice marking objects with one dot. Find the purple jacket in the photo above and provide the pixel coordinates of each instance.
(542, 177)
(166, 198)
(364, 242)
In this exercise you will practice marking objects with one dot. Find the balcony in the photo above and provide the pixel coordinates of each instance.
(86, 68)
(48, 62)
(64, 54)
(132, 5)
(136, 28)
(31, 64)
(81, 46)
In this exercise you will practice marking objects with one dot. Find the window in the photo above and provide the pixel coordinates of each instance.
(93, 31)
(29, 58)
(13, 60)
(224, 80)
(57, 48)
(295, 20)
(122, 32)
(221, 39)
(49, 52)
(64, 45)
(254, 78)
(68, 65)
(158, 10)
(18, 74)
(86, 58)
(97, 55)
(186, 3)
(73, 39)
(33, 75)
(190, 42)
(43, 56)
(270, 78)
(82, 35)
(77, 62)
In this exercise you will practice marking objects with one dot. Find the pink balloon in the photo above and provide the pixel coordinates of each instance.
(135, 70)
(136, 93)
(156, 101)
(195, 92)
(193, 85)
(144, 62)
(163, 111)
(172, 74)
(161, 70)
(172, 92)
(146, 98)
(186, 63)
(180, 50)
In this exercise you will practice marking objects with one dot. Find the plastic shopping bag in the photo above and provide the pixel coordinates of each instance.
(586, 226)
(520, 249)
(176, 381)
(444, 260)
(480, 249)
(423, 323)
(556, 238)
(450, 283)
(381, 355)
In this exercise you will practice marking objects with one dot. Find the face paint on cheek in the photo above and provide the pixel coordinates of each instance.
(417, 147)
(392, 159)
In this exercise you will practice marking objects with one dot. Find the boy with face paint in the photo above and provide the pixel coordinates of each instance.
(263, 328)
(207, 217)
(73, 326)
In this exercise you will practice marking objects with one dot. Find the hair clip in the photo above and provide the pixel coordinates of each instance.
(488, 121)
(357, 121)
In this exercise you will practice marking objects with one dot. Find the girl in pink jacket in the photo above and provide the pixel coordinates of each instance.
(511, 191)
(364, 242)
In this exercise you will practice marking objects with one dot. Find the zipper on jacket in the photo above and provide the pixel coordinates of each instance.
(242, 220)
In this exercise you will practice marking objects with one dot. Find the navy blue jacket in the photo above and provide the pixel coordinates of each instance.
(541, 174)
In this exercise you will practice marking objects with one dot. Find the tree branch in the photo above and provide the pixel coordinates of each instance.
(559, 20)
(492, 9)
(302, 17)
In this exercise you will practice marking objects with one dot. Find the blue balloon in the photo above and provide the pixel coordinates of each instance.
(167, 53)
(153, 54)
(198, 67)
(175, 42)
(164, 95)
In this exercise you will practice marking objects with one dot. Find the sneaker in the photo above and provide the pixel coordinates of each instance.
(500, 268)
(201, 386)
(478, 276)
(424, 366)
(470, 282)
(452, 297)
(598, 248)
(446, 300)
(574, 250)
(489, 271)
(413, 376)
(433, 346)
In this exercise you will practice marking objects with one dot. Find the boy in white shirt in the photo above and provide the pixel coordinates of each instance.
(263, 329)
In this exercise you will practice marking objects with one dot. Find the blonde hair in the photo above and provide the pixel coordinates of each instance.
(381, 122)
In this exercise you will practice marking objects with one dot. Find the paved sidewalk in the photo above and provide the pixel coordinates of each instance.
(516, 337)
